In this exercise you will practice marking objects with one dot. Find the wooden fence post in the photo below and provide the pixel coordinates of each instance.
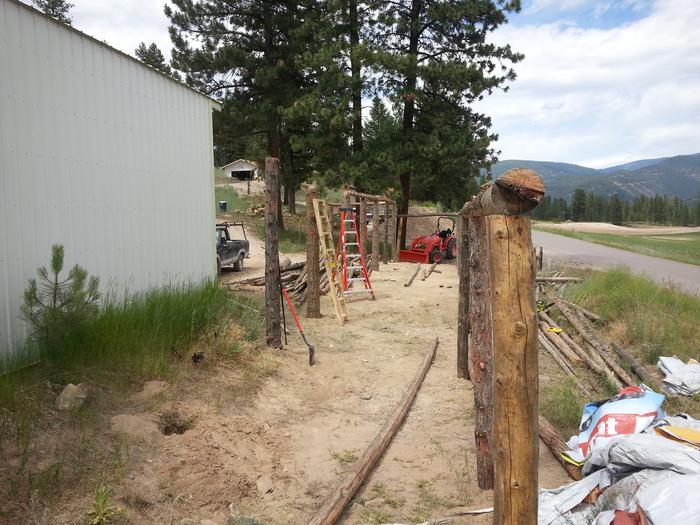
(313, 289)
(480, 346)
(463, 308)
(362, 223)
(514, 314)
(385, 250)
(273, 325)
(375, 237)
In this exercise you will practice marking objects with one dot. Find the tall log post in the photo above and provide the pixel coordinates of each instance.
(397, 229)
(385, 251)
(463, 308)
(313, 288)
(362, 219)
(481, 347)
(515, 350)
(374, 264)
(273, 325)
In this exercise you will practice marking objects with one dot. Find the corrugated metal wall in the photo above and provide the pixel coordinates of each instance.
(103, 155)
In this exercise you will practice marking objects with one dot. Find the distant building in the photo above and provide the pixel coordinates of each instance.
(103, 154)
(241, 169)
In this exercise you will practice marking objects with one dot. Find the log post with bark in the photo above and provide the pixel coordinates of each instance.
(481, 345)
(273, 323)
(506, 257)
(463, 307)
(375, 237)
(313, 286)
(362, 223)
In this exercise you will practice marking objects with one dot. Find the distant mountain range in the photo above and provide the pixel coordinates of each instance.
(673, 176)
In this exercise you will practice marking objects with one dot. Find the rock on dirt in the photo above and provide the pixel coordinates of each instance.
(140, 426)
(150, 389)
(72, 396)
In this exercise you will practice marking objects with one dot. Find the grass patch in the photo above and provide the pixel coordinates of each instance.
(345, 456)
(654, 320)
(228, 194)
(562, 407)
(45, 454)
(682, 247)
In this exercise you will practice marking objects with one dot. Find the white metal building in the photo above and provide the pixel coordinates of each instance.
(241, 169)
(102, 154)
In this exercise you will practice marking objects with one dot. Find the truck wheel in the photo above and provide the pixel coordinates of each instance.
(218, 266)
(435, 256)
(238, 265)
(451, 251)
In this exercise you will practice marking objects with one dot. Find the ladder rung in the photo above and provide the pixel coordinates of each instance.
(357, 279)
(348, 220)
(353, 267)
(364, 290)
(351, 244)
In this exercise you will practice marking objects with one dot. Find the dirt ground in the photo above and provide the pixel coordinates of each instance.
(604, 227)
(277, 456)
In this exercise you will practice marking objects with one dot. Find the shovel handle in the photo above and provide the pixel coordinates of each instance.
(289, 302)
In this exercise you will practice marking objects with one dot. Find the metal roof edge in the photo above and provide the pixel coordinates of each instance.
(213, 103)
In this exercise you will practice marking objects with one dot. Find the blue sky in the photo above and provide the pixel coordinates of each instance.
(603, 81)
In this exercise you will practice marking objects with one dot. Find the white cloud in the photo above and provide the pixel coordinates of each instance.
(124, 24)
(596, 96)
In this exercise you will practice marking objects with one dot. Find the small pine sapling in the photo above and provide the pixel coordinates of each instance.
(52, 304)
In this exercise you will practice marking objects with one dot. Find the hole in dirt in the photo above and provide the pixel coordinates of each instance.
(173, 422)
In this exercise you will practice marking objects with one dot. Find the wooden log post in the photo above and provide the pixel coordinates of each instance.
(514, 315)
(313, 283)
(273, 324)
(463, 306)
(362, 223)
(397, 232)
(480, 346)
(385, 251)
(375, 237)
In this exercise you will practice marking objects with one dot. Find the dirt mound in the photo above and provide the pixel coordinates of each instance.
(604, 227)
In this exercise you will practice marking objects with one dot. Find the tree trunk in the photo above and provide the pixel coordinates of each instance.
(356, 75)
(313, 287)
(273, 331)
(463, 308)
(481, 347)
(409, 106)
(515, 370)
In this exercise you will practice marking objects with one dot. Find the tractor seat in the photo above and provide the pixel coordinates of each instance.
(444, 234)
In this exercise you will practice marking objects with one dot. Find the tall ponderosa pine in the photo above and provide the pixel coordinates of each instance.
(434, 53)
(247, 50)
(57, 9)
(152, 56)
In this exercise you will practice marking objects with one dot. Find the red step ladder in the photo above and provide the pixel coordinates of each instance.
(350, 250)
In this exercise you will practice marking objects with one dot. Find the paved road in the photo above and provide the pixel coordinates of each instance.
(574, 251)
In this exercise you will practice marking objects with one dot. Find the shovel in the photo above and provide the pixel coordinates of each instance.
(312, 350)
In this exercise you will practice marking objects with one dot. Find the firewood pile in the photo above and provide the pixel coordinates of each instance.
(295, 279)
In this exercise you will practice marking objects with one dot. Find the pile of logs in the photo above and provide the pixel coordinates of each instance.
(294, 278)
(582, 354)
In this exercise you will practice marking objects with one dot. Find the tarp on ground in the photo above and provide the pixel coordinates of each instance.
(681, 378)
(625, 474)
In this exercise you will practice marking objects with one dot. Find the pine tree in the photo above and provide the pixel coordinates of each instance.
(434, 53)
(152, 56)
(616, 209)
(578, 205)
(57, 9)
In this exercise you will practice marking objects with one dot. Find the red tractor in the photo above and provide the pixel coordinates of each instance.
(433, 248)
